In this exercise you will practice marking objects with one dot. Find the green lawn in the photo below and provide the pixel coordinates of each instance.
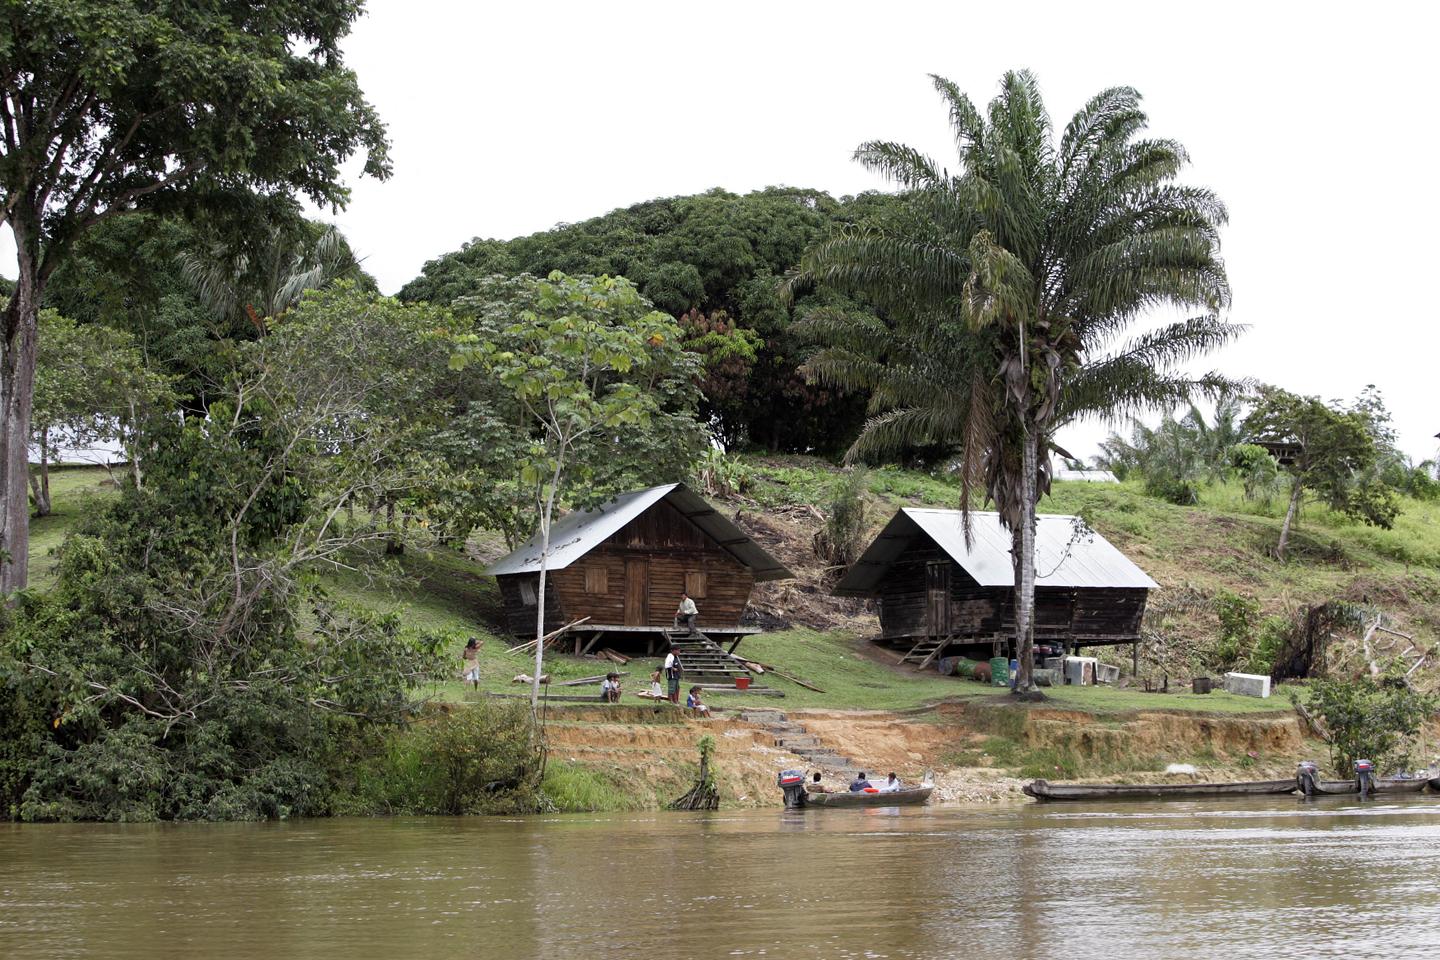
(74, 492)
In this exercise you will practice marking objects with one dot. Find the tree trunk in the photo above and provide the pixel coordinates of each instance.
(17, 394)
(40, 478)
(1025, 601)
(1290, 511)
(394, 546)
(545, 516)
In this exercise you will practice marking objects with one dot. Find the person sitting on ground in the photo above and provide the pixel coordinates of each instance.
(816, 786)
(891, 784)
(693, 702)
(860, 784)
(686, 612)
(610, 688)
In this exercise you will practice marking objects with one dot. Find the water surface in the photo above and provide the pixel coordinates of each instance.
(1246, 878)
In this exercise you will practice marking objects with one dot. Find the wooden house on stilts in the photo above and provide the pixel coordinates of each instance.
(624, 566)
(937, 595)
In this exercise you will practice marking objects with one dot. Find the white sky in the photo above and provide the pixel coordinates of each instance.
(1313, 122)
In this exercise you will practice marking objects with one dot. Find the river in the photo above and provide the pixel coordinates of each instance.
(1247, 878)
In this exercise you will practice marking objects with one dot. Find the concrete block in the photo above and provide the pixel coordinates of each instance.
(1247, 684)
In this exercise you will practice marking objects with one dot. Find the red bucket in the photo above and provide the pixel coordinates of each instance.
(742, 683)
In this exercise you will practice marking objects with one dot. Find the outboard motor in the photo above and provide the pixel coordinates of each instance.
(1364, 777)
(1307, 777)
(792, 782)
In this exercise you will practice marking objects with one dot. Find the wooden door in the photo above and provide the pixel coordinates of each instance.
(937, 598)
(637, 592)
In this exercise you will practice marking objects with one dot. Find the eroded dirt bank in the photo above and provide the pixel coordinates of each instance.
(976, 752)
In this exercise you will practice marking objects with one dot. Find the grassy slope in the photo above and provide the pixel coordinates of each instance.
(1190, 552)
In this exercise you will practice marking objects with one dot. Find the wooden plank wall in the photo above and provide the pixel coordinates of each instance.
(519, 616)
(1060, 612)
(674, 547)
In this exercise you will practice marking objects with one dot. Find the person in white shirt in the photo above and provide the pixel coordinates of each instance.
(891, 784)
(610, 689)
(673, 671)
(686, 612)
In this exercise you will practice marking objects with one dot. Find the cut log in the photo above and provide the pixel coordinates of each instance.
(614, 657)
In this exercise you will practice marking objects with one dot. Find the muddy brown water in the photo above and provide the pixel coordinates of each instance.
(1246, 878)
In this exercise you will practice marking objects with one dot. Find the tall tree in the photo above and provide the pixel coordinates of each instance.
(589, 362)
(1330, 453)
(1011, 284)
(112, 106)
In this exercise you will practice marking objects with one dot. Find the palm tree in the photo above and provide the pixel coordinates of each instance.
(260, 281)
(1009, 286)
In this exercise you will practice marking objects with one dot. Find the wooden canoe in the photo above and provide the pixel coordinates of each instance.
(905, 796)
(1043, 790)
(1336, 788)
(1435, 784)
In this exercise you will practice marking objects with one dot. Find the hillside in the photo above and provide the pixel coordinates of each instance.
(1196, 554)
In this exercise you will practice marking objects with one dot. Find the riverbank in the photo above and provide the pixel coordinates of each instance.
(978, 750)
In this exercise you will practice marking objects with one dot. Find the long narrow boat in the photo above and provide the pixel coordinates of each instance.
(1043, 790)
(1435, 784)
(904, 797)
(1335, 788)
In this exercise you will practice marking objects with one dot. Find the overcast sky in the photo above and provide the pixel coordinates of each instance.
(1314, 124)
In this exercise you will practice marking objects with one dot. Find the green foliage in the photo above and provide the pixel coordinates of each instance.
(1179, 455)
(847, 522)
(602, 386)
(1257, 471)
(483, 757)
(169, 664)
(718, 474)
(1237, 615)
(1369, 718)
(1334, 453)
(719, 255)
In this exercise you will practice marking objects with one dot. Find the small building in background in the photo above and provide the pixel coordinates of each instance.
(938, 595)
(1085, 476)
(625, 564)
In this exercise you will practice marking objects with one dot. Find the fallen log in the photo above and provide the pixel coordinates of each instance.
(526, 678)
(614, 657)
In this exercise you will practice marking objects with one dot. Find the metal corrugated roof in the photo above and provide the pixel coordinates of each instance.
(1059, 562)
(577, 533)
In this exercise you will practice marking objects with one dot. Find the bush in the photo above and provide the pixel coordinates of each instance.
(842, 539)
(1237, 615)
(484, 757)
(1373, 719)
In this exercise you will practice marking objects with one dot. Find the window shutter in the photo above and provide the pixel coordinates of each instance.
(597, 579)
(695, 584)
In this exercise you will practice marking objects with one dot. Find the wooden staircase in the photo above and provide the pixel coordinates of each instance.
(706, 662)
(925, 651)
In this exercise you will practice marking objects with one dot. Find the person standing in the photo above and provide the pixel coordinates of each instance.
(674, 670)
(470, 662)
(686, 612)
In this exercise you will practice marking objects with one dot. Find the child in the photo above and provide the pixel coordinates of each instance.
(610, 689)
(655, 692)
(470, 663)
(693, 702)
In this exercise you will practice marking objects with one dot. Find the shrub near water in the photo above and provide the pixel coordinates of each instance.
(480, 758)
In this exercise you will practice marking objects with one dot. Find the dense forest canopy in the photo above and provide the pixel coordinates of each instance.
(717, 259)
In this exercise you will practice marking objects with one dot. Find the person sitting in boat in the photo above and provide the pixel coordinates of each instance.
(860, 784)
(816, 786)
(610, 689)
(891, 784)
(693, 702)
